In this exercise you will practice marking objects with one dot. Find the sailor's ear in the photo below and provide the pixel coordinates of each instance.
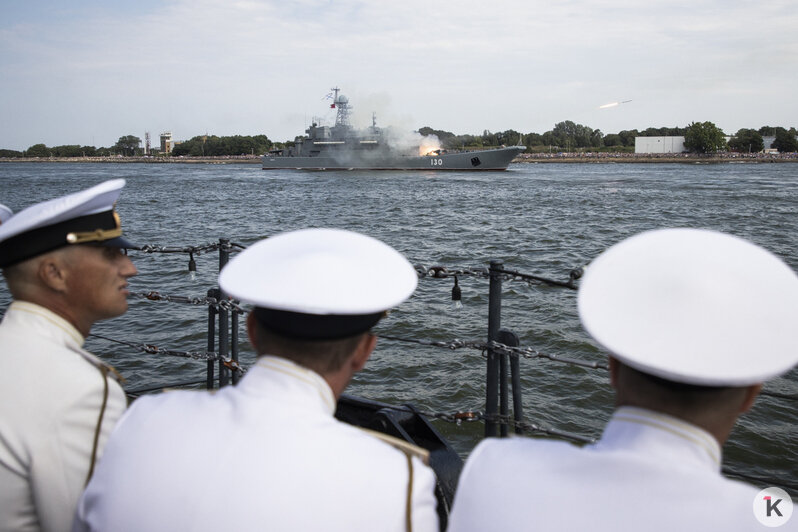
(614, 367)
(751, 394)
(52, 272)
(252, 331)
(363, 351)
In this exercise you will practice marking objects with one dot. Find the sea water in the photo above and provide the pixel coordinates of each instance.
(543, 219)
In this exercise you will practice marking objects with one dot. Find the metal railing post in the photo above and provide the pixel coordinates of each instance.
(234, 344)
(211, 338)
(224, 323)
(494, 323)
(511, 339)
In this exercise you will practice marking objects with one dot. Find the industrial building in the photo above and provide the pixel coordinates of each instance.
(167, 143)
(659, 145)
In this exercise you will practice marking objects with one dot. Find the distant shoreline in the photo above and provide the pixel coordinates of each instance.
(227, 159)
(683, 158)
(593, 157)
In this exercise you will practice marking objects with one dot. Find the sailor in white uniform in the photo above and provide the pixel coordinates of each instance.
(268, 454)
(64, 264)
(694, 322)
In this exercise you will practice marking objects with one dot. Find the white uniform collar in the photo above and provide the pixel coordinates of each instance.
(286, 377)
(660, 437)
(48, 324)
(45, 324)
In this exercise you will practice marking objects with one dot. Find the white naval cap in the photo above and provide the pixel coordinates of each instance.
(693, 306)
(5, 213)
(85, 216)
(319, 283)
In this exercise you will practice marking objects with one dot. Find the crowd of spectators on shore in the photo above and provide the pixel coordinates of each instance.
(644, 157)
(524, 157)
(246, 158)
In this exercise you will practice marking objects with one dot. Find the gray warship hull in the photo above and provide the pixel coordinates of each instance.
(343, 159)
(342, 147)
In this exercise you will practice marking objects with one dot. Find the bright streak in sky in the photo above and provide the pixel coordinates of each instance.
(613, 104)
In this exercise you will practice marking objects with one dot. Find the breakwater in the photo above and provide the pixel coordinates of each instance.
(607, 157)
(224, 159)
(560, 157)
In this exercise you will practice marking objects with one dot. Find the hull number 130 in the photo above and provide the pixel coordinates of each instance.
(436, 162)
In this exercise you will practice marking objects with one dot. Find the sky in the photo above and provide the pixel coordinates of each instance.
(89, 71)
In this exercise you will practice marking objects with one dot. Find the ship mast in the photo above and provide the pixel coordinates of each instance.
(341, 103)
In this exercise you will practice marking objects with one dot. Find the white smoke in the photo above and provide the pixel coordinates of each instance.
(411, 141)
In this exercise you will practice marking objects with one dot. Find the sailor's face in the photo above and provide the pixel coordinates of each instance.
(98, 281)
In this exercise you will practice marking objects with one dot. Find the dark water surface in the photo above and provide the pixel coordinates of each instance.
(538, 218)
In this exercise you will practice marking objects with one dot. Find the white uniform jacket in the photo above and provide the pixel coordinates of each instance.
(266, 454)
(51, 400)
(648, 472)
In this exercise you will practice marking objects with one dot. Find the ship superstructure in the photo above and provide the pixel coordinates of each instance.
(342, 147)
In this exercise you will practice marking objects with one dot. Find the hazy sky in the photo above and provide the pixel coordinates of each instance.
(89, 71)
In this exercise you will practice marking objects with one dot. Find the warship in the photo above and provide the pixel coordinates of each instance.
(343, 147)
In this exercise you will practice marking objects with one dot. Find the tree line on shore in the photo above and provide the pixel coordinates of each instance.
(567, 136)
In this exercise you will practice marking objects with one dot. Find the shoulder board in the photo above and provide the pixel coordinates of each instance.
(406, 447)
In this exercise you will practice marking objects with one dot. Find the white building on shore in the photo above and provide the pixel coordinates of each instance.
(659, 145)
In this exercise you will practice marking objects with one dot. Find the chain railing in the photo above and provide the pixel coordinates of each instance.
(502, 349)
(224, 304)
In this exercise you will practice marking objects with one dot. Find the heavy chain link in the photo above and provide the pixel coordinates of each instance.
(442, 272)
(195, 250)
(207, 301)
(525, 352)
(152, 349)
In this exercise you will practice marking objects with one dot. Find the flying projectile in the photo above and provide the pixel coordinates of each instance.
(613, 104)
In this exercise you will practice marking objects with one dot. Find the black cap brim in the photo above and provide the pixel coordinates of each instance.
(118, 242)
(301, 326)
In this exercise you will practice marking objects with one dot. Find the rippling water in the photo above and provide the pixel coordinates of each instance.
(538, 218)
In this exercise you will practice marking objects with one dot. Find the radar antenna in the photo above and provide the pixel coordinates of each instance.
(342, 104)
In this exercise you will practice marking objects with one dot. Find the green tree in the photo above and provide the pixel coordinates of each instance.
(704, 137)
(767, 131)
(597, 139)
(10, 153)
(212, 145)
(652, 132)
(747, 141)
(72, 150)
(785, 140)
(628, 137)
(508, 138)
(442, 135)
(571, 135)
(38, 150)
(128, 144)
(533, 139)
(462, 141)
